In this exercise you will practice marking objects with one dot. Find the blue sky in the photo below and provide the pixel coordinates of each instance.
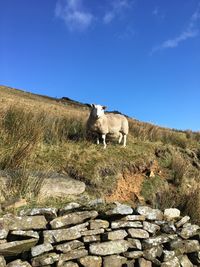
(141, 57)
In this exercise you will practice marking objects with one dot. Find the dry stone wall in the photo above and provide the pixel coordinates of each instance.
(75, 236)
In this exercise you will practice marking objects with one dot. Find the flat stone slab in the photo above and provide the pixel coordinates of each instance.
(91, 261)
(73, 218)
(16, 247)
(25, 234)
(96, 224)
(114, 261)
(68, 246)
(109, 247)
(120, 209)
(125, 224)
(11, 222)
(151, 227)
(155, 241)
(40, 249)
(49, 213)
(189, 231)
(115, 235)
(2, 261)
(138, 233)
(73, 254)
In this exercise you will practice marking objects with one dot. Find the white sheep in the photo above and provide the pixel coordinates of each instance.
(102, 124)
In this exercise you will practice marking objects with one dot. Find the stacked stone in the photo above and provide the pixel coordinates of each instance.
(73, 237)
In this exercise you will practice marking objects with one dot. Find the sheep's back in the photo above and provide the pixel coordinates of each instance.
(117, 123)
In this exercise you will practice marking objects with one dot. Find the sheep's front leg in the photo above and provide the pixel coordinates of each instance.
(124, 144)
(97, 140)
(120, 137)
(104, 140)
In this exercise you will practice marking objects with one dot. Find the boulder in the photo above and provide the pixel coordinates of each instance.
(73, 218)
(91, 261)
(109, 247)
(60, 186)
(16, 247)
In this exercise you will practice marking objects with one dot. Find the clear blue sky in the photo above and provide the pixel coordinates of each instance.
(141, 57)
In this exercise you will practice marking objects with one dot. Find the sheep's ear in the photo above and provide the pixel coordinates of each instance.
(90, 105)
(104, 107)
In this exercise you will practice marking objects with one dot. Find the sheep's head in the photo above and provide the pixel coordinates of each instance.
(97, 110)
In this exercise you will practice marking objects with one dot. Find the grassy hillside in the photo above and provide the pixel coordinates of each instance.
(159, 166)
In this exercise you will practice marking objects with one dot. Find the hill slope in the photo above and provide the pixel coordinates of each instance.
(159, 166)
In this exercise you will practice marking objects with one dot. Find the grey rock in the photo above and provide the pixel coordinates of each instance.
(124, 224)
(96, 224)
(40, 249)
(67, 264)
(153, 253)
(184, 220)
(16, 247)
(3, 241)
(49, 213)
(115, 235)
(55, 236)
(184, 261)
(114, 261)
(12, 222)
(60, 187)
(3, 233)
(155, 241)
(73, 254)
(25, 234)
(120, 209)
(172, 263)
(18, 263)
(73, 218)
(133, 254)
(134, 243)
(68, 208)
(96, 202)
(151, 227)
(91, 238)
(68, 246)
(168, 255)
(109, 247)
(91, 261)
(171, 214)
(92, 232)
(43, 260)
(168, 228)
(144, 263)
(2, 261)
(138, 233)
(134, 218)
(149, 213)
(185, 246)
(189, 231)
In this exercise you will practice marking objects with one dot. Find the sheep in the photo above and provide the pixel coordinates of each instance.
(102, 124)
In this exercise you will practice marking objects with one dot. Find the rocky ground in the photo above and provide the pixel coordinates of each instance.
(88, 236)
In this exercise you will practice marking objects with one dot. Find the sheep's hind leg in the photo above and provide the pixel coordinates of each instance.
(120, 137)
(124, 144)
(97, 140)
(104, 140)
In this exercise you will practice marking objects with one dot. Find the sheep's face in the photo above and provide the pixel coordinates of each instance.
(97, 111)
